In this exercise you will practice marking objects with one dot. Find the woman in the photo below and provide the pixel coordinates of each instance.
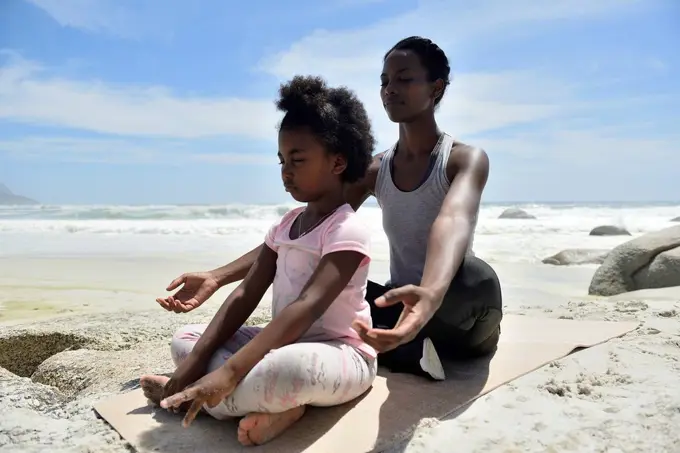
(429, 188)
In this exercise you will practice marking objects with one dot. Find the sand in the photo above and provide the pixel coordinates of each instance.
(619, 397)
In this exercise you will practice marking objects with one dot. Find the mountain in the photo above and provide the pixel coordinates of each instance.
(7, 197)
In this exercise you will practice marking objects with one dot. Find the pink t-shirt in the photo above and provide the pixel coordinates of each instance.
(298, 259)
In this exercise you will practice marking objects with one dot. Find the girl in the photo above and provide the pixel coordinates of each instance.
(317, 257)
(429, 188)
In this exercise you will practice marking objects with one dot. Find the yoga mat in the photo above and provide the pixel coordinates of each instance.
(386, 414)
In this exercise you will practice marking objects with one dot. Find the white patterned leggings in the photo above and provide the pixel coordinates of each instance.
(313, 373)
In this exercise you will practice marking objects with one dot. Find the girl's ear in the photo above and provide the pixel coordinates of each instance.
(339, 164)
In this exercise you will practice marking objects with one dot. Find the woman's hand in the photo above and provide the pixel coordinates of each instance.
(420, 305)
(197, 287)
(211, 389)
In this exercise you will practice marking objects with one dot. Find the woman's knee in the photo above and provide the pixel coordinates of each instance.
(475, 283)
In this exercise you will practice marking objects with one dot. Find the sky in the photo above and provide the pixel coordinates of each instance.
(170, 101)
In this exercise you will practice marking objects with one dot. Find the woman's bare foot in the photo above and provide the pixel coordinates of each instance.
(258, 428)
(153, 387)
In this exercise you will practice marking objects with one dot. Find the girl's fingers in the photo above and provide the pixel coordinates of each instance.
(192, 412)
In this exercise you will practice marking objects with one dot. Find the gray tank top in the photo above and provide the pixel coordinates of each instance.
(408, 216)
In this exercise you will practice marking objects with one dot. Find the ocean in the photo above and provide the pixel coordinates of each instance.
(224, 231)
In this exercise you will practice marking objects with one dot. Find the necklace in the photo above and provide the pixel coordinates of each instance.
(307, 230)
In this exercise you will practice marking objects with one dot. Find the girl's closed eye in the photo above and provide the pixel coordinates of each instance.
(293, 161)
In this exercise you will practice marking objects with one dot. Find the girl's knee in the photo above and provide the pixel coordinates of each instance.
(290, 364)
(183, 342)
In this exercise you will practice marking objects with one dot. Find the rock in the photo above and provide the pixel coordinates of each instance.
(577, 256)
(32, 417)
(87, 373)
(649, 261)
(677, 219)
(9, 198)
(515, 213)
(73, 363)
(609, 230)
(23, 348)
(23, 393)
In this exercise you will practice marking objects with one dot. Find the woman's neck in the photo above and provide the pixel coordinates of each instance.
(418, 137)
(325, 204)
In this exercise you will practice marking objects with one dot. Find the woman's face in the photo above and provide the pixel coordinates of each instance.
(404, 87)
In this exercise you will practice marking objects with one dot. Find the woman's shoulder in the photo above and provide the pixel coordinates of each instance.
(465, 156)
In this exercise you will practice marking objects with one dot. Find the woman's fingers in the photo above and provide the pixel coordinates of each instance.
(404, 294)
(163, 303)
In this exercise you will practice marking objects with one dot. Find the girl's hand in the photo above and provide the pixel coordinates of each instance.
(189, 371)
(210, 389)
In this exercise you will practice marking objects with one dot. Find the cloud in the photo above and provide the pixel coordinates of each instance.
(121, 151)
(28, 94)
(477, 102)
(589, 148)
(130, 19)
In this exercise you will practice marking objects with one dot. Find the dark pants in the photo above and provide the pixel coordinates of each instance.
(466, 325)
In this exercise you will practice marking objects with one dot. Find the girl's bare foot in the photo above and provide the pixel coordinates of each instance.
(258, 428)
(153, 387)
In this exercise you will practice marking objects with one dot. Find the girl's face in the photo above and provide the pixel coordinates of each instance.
(308, 171)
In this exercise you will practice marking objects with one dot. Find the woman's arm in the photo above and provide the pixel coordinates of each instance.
(452, 230)
(358, 192)
(327, 282)
(239, 305)
(448, 242)
(237, 269)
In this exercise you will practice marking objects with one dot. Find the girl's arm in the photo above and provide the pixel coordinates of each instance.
(326, 283)
(239, 305)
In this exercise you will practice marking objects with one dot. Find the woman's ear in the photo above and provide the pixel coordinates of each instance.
(437, 88)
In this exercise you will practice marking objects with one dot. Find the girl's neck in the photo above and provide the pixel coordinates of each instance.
(326, 204)
(418, 137)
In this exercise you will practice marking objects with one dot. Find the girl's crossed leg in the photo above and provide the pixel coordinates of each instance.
(273, 395)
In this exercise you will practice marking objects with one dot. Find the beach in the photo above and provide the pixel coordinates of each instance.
(57, 262)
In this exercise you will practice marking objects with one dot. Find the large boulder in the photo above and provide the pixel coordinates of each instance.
(53, 372)
(23, 348)
(609, 230)
(570, 257)
(515, 213)
(648, 261)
